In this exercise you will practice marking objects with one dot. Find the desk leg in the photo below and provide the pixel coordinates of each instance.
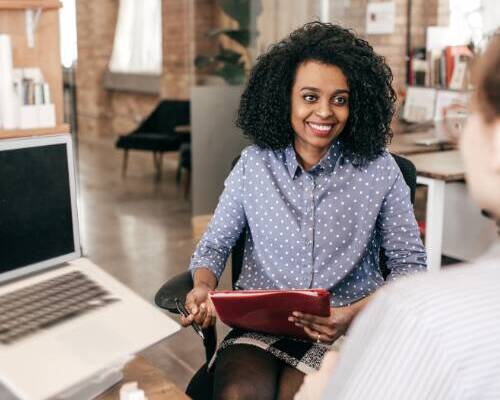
(434, 221)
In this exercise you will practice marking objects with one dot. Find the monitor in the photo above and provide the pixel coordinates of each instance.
(38, 213)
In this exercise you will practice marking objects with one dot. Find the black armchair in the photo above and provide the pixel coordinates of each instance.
(157, 133)
(181, 284)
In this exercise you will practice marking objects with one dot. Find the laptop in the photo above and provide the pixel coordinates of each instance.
(66, 326)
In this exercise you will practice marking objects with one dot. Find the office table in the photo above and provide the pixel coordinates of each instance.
(156, 386)
(435, 170)
(407, 143)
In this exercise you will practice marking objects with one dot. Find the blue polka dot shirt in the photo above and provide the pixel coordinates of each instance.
(321, 228)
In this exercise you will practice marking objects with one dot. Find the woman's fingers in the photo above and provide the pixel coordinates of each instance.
(186, 321)
(202, 313)
(200, 308)
(320, 324)
(323, 329)
(309, 318)
(312, 334)
(191, 305)
(319, 337)
(209, 318)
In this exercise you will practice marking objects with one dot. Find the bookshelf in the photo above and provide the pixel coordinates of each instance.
(44, 55)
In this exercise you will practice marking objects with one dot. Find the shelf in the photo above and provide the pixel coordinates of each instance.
(15, 133)
(27, 4)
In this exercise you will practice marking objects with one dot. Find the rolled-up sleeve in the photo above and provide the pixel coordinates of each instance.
(400, 237)
(225, 226)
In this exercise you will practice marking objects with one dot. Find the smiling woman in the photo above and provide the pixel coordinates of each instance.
(317, 196)
(320, 110)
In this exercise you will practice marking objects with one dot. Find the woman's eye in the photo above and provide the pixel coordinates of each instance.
(309, 98)
(340, 100)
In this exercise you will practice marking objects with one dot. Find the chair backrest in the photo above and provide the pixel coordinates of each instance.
(167, 115)
(410, 176)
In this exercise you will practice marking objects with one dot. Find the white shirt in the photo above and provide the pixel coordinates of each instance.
(433, 336)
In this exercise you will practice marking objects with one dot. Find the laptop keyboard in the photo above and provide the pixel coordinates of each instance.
(42, 305)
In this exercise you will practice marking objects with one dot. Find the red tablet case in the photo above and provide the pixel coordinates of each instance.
(268, 310)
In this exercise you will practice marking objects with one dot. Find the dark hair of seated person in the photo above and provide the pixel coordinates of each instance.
(264, 113)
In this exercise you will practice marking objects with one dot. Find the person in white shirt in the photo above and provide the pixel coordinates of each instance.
(435, 336)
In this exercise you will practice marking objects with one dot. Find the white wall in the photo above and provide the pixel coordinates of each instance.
(491, 15)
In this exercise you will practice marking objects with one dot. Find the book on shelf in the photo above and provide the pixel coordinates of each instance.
(25, 99)
(427, 105)
(419, 104)
(32, 98)
(418, 67)
(454, 55)
(446, 68)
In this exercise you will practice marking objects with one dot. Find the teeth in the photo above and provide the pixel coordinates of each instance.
(323, 128)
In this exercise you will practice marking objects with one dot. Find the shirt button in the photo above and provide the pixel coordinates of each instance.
(308, 242)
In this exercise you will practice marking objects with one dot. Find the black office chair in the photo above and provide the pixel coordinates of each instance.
(157, 133)
(181, 284)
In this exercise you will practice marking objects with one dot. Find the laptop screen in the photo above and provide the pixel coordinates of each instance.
(37, 207)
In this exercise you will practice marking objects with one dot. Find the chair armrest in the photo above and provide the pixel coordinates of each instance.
(177, 287)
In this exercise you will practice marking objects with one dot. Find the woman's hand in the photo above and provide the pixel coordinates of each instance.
(325, 329)
(200, 307)
(329, 329)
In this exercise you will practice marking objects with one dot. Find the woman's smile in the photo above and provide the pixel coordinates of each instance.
(320, 129)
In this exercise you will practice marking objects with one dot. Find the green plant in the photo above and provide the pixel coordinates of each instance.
(230, 64)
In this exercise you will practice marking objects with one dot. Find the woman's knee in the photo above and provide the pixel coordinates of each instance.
(245, 372)
(290, 381)
(243, 391)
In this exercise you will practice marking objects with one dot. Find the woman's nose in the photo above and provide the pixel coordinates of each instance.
(324, 110)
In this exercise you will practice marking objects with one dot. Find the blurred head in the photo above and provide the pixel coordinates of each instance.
(480, 143)
(330, 60)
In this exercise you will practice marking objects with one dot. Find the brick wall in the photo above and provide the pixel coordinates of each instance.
(104, 112)
(95, 41)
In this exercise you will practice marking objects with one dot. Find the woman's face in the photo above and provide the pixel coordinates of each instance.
(480, 146)
(320, 106)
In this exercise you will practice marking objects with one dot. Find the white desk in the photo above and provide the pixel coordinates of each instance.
(454, 224)
(434, 170)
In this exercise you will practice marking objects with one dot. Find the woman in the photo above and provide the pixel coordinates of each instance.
(318, 196)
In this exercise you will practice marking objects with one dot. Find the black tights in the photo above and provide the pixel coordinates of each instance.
(247, 372)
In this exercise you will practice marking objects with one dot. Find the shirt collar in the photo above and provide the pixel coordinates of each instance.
(326, 164)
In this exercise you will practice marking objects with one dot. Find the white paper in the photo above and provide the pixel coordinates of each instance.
(33, 73)
(380, 18)
(419, 104)
(28, 117)
(446, 98)
(8, 109)
(46, 116)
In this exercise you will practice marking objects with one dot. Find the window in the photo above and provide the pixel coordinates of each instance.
(67, 29)
(137, 48)
(466, 21)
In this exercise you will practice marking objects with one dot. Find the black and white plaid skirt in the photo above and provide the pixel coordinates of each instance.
(304, 355)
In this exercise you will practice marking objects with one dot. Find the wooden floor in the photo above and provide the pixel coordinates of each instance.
(140, 232)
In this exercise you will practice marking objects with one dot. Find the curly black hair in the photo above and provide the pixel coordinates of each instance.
(265, 106)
